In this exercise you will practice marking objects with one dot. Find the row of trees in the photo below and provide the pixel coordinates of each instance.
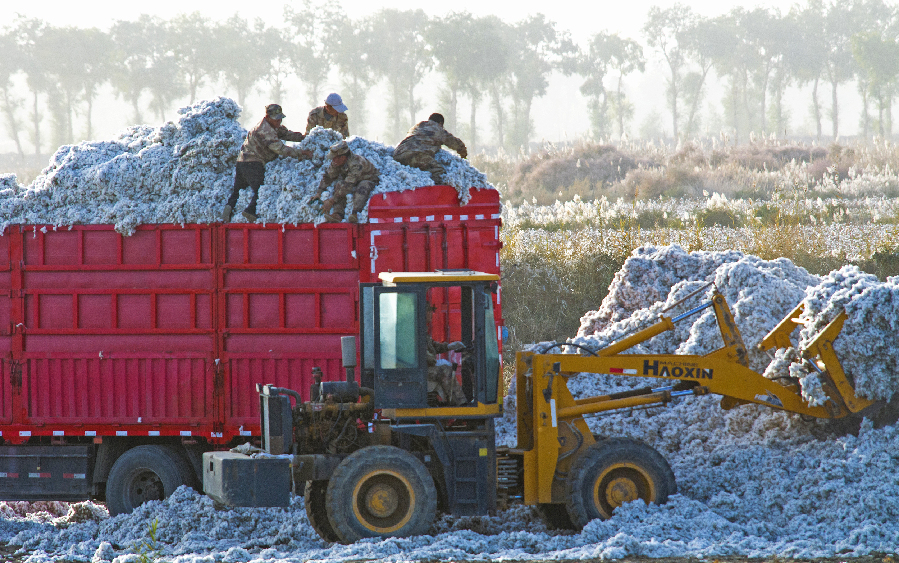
(759, 53)
(755, 54)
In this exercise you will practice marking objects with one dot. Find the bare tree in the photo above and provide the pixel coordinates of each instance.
(312, 55)
(608, 52)
(193, 44)
(279, 49)
(11, 63)
(146, 63)
(28, 33)
(839, 66)
(538, 49)
(805, 56)
(663, 30)
(241, 56)
(400, 57)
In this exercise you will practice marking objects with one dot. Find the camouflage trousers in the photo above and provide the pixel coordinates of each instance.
(361, 192)
(442, 380)
(424, 161)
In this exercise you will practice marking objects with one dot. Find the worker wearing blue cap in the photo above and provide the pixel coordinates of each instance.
(332, 115)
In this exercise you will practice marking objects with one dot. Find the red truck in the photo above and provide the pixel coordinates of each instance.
(124, 358)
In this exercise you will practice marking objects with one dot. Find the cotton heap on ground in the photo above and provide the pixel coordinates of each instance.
(753, 482)
(183, 172)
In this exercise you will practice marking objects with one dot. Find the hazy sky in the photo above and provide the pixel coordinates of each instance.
(582, 18)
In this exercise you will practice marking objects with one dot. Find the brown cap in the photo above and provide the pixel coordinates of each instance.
(339, 148)
(274, 111)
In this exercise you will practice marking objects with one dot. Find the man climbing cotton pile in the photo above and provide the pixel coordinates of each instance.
(422, 143)
(332, 115)
(353, 174)
(264, 143)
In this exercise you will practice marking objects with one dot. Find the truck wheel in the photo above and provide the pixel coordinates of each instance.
(140, 475)
(555, 516)
(613, 472)
(380, 491)
(185, 469)
(314, 498)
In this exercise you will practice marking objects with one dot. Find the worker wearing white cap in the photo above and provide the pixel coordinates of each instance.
(332, 115)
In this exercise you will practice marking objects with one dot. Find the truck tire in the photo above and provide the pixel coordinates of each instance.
(185, 469)
(380, 491)
(140, 475)
(314, 499)
(555, 516)
(615, 471)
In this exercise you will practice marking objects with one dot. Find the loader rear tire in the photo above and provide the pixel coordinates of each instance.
(314, 498)
(615, 471)
(380, 491)
(143, 474)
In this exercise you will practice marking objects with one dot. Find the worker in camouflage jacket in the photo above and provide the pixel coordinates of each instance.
(353, 174)
(421, 144)
(442, 382)
(264, 143)
(332, 115)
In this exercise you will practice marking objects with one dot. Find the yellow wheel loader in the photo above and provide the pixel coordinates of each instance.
(415, 434)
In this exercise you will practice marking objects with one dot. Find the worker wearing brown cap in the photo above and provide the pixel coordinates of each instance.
(353, 174)
(264, 143)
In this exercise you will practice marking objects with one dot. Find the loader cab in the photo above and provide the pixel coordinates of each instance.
(409, 312)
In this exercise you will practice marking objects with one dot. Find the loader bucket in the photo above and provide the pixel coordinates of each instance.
(822, 357)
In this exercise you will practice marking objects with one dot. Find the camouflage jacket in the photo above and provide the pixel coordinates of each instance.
(319, 116)
(428, 137)
(264, 143)
(354, 170)
(435, 348)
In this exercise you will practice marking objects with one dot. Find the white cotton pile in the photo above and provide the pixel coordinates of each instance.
(176, 173)
(759, 292)
(9, 185)
(753, 482)
(183, 172)
(647, 278)
(867, 344)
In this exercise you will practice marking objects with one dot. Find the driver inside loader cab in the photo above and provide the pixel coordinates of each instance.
(443, 387)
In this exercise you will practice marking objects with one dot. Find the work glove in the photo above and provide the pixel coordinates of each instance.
(456, 346)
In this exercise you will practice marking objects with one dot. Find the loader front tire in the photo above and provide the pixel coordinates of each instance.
(613, 472)
(380, 491)
(314, 498)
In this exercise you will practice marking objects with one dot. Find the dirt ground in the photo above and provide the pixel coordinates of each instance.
(7, 556)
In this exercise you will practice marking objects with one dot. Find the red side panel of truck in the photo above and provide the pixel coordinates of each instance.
(167, 331)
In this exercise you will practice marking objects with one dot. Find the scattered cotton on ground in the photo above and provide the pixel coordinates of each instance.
(753, 482)
(183, 172)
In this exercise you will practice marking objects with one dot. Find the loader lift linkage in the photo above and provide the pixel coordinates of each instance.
(380, 459)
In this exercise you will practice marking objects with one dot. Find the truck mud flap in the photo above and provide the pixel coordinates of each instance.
(63, 473)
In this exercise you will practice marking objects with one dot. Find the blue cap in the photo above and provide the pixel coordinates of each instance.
(334, 100)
